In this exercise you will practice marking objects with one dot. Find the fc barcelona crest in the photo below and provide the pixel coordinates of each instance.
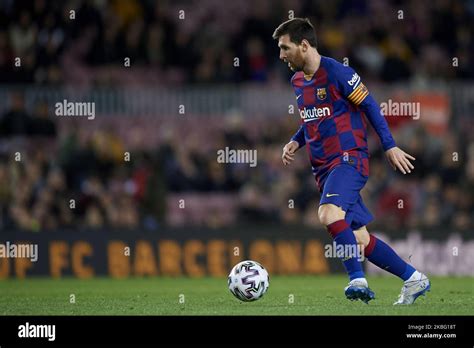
(321, 93)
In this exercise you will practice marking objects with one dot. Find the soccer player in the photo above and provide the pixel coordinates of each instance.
(332, 102)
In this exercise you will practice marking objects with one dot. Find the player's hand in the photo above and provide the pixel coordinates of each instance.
(289, 152)
(400, 159)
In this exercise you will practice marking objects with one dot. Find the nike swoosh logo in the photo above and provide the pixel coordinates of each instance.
(298, 96)
(332, 194)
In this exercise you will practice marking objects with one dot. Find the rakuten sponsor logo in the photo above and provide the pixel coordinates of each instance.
(314, 113)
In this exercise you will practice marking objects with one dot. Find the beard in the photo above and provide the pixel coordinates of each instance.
(294, 67)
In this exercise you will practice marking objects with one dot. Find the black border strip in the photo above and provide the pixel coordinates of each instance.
(228, 330)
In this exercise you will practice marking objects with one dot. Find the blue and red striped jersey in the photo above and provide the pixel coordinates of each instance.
(334, 106)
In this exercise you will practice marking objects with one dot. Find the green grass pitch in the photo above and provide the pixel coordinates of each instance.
(310, 295)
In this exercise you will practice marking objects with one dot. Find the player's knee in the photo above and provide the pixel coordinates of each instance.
(362, 236)
(329, 213)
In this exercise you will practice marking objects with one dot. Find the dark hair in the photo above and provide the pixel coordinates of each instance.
(298, 29)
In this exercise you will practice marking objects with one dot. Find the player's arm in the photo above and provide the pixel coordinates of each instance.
(298, 140)
(395, 156)
(355, 91)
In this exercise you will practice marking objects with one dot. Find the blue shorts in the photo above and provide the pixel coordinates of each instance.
(342, 188)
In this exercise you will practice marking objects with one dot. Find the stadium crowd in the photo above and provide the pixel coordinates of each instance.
(90, 167)
(198, 41)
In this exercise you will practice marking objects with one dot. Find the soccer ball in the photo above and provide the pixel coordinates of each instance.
(248, 281)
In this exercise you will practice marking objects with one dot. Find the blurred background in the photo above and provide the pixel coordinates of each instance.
(173, 82)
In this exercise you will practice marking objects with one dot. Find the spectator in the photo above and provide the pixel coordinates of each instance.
(42, 123)
(16, 121)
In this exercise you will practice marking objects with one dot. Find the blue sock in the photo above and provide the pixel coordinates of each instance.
(381, 255)
(343, 235)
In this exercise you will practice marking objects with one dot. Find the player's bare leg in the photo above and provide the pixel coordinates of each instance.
(362, 237)
(329, 213)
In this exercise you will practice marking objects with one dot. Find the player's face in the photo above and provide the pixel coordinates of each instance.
(290, 53)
